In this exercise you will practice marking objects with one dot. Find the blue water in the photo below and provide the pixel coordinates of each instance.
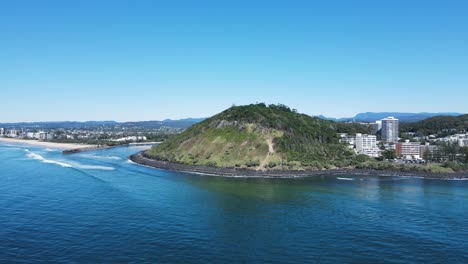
(98, 207)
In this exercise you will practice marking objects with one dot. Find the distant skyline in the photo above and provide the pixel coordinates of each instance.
(152, 60)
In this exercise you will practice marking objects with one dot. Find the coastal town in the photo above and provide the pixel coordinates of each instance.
(99, 134)
(388, 142)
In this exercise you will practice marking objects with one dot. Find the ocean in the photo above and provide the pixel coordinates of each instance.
(98, 207)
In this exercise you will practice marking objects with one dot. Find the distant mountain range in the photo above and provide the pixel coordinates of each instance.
(181, 123)
(188, 122)
(403, 117)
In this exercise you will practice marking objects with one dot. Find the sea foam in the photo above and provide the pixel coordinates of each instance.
(44, 160)
(345, 179)
(75, 165)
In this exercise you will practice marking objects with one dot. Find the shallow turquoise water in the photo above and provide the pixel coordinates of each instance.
(98, 207)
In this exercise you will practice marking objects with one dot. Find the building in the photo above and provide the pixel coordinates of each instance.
(367, 145)
(2, 132)
(45, 136)
(348, 139)
(463, 141)
(13, 133)
(434, 153)
(409, 150)
(390, 128)
(131, 138)
(376, 126)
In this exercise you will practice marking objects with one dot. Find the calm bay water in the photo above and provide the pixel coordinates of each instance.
(98, 207)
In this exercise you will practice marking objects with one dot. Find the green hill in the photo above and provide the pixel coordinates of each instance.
(439, 125)
(261, 137)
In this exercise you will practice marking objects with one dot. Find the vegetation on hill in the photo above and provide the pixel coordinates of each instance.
(439, 125)
(262, 137)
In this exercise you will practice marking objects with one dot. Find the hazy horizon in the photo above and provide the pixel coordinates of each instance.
(201, 117)
(148, 60)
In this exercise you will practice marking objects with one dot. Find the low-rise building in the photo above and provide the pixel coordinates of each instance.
(434, 153)
(367, 145)
(463, 140)
(345, 138)
(409, 150)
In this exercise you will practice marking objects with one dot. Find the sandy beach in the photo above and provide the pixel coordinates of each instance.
(44, 144)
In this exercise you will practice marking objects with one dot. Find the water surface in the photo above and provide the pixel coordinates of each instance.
(97, 207)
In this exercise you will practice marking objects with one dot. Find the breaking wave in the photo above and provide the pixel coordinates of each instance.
(101, 157)
(75, 165)
(345, 179)
(44, 160)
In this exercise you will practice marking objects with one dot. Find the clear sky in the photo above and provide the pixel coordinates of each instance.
(150, 60)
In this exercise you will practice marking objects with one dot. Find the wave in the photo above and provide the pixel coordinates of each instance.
(101, 157)
(44, 160)
(92, 167)
(345, 179)
(75, 165)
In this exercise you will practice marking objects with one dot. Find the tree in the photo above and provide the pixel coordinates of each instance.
(389, 154)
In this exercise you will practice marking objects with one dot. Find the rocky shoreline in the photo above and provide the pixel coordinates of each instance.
(84, 149)
(142, 159)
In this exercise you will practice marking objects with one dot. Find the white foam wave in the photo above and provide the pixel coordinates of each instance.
(44, 160)
(101, 157)
(344, 179)
(93, 167)
(66, 165)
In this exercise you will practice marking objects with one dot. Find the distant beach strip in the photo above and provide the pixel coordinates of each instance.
(64, 146)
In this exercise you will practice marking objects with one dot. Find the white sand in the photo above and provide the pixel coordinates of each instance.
(44, 144)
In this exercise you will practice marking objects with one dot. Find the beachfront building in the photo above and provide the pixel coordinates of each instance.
(13, 133)
(390, 128)
(45, 136)
(367, 145)
(34, 135)
(409, 150)
(2, 132)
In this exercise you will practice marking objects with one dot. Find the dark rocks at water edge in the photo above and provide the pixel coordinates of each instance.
(143, 159)
(84, 149)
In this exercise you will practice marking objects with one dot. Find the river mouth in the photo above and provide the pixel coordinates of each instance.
(73, 208)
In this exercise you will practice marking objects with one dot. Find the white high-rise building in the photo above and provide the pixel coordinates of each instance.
(2, 132)
(390, 128)
(367, 144)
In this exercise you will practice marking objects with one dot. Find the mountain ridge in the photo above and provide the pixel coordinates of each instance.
(402, 116)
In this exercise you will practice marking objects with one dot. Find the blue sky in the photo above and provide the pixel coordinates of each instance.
(149, 60)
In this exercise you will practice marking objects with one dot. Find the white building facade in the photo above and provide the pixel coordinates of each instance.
(367, 145)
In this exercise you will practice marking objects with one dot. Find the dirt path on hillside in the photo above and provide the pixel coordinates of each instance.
(271, 150)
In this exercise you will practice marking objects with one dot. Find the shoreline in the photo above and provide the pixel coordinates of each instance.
(140, 158)
(64, 146)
